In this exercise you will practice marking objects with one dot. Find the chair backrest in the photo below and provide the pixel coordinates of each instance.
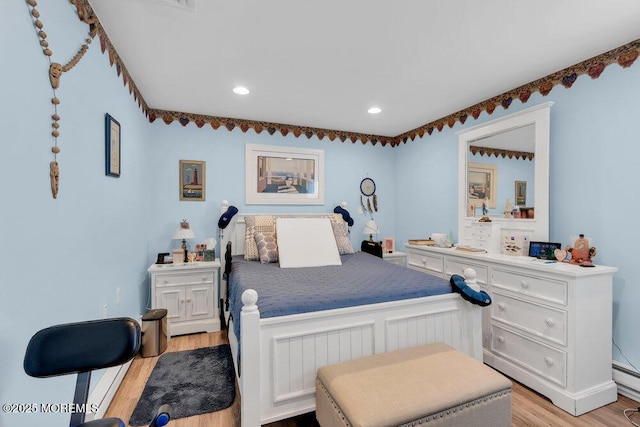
(82, 347)
(371, 247)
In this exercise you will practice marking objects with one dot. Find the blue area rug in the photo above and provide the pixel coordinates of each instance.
(193, 382)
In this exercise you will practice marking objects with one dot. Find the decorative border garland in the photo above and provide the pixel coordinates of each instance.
(488, 151)
(624, 55)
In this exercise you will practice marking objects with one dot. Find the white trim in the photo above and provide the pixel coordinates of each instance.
(105, 390)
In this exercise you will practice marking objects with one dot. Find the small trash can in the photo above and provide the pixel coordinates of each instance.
(154, 332)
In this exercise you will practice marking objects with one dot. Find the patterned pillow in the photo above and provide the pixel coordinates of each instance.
(267, 246)
(254, 224)
(342, 237)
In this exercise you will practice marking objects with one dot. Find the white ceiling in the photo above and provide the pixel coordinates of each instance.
(324, 63)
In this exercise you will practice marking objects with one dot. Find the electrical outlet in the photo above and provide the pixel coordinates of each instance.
(105, 311)
(117, 295)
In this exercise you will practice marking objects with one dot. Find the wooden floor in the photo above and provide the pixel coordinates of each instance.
(528, 407)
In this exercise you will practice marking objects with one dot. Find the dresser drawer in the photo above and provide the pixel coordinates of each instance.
(183, 279)
(427, 262)
(541, 359)
(537, 319)
(540, 288)
(458, 266)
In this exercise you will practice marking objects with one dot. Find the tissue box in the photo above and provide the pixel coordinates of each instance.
(515, 245)
(209, 255)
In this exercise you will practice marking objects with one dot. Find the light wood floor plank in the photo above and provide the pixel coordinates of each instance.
(529, 409)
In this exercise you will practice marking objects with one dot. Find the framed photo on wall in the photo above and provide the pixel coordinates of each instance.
(112, 146)
(278, 175)
(521, 193)
(192, 180)
(481, 181)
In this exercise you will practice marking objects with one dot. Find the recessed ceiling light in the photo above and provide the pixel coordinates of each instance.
(374, 110)
(241, 90)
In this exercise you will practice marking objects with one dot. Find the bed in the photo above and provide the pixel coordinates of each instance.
(278, 353)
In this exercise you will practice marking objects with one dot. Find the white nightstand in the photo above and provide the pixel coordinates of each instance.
(189, 292)
(395, 257)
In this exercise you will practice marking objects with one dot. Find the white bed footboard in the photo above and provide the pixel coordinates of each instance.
(280, 355)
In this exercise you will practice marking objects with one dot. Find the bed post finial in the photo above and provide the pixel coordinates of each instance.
(249, 299)
(343, 205)
(470, 279)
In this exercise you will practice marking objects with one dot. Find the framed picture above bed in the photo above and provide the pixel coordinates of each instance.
(283, 175)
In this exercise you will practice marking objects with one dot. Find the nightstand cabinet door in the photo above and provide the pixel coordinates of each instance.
(172, 298)
(199, 301)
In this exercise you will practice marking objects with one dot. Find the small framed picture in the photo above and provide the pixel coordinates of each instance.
(388, 245)
(200, 248)
(192, 180)
(112, 146)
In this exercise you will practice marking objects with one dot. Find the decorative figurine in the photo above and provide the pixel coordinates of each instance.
(485, 211)
(581, 253)
(508, 207)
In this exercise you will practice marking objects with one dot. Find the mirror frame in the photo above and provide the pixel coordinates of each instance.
(537, 228)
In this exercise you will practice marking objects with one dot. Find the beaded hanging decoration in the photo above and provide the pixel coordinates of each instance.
(55, 72)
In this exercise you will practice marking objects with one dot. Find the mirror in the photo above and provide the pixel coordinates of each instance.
(507, 158)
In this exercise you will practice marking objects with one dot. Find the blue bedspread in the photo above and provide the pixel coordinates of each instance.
(361, 279)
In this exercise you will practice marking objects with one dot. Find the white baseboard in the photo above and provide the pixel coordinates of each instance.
(627, 379)
(105, 389)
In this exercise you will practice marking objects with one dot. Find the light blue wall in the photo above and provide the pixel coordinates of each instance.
(224, 152)
(63, 259)
(594, 150)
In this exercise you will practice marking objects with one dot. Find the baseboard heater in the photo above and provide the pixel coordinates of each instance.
(627, 379)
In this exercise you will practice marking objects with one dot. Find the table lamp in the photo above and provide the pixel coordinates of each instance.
(184, 232)
(370, 228)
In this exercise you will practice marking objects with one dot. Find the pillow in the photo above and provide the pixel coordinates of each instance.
(342, 238)
(306, 242)
(254, 224)
(267, 223)
(267, 246)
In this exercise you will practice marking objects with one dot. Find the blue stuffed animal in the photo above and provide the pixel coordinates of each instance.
(474, 297)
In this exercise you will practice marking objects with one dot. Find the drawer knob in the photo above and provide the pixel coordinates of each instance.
(501, 339)
(424, 261)
(524, 284)
(549, 322)
(204, 278)
(501, 306)
(548, 361)
(165, 281)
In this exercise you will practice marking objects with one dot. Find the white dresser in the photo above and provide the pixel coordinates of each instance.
(189, 293)
(549, 325)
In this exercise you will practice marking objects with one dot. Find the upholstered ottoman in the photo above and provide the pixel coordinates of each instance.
(432, 385)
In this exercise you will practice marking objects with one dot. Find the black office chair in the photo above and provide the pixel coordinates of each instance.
(371, 247)
(79, 348)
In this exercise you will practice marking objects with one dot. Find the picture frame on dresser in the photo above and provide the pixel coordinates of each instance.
(388, 245)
